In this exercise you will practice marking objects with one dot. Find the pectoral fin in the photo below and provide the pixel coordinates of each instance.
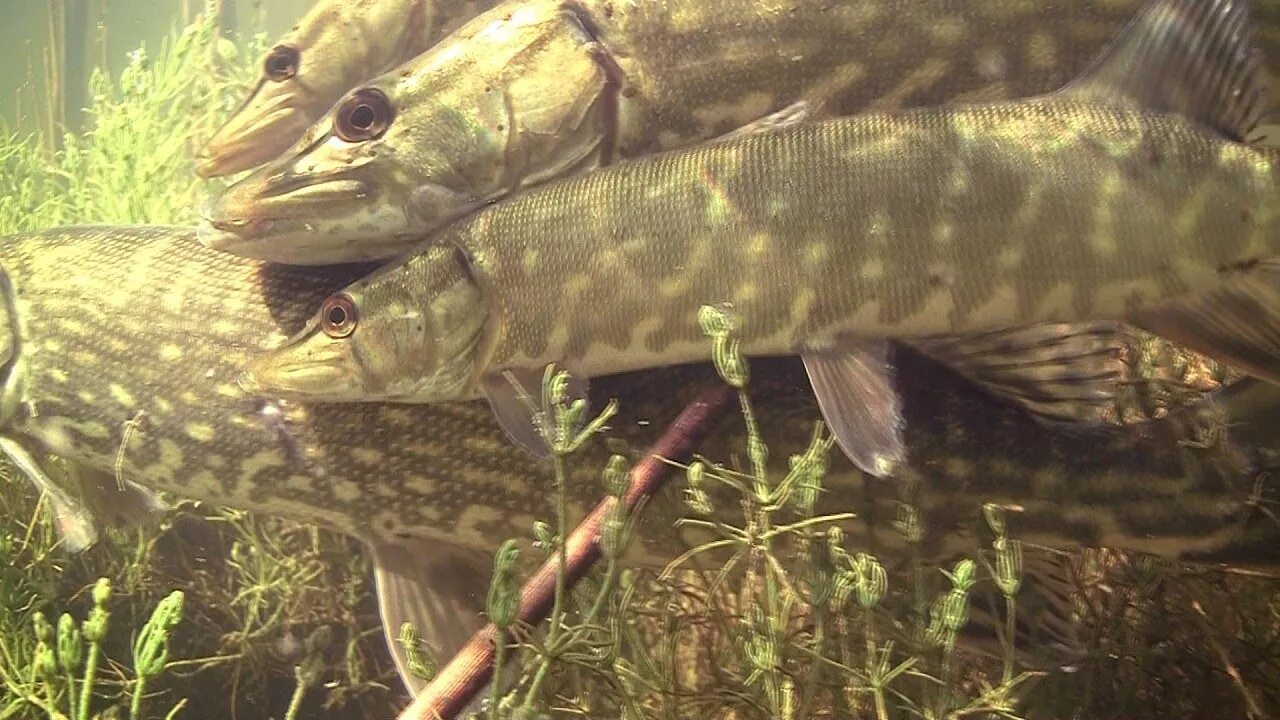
(438, 588)
(855, 392)
(793, 114)
(515, 413)
(1056, 371)
(1237, 322)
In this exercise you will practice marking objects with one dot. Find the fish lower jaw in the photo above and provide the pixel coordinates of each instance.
(297, 382)
(297, 243)
(224, 236)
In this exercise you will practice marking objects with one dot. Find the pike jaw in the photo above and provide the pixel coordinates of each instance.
(334, 47)
(268, 122)
(354, 349)
(357, 186)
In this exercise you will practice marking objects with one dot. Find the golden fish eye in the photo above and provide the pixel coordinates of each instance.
(338, 317)
(281, 63)
(363, 115)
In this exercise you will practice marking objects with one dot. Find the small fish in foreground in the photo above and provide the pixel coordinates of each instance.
(338, 44)
(535, 90)
(968, 231)
(122, 345)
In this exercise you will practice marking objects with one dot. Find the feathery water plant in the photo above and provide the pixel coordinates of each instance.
(132, 165)
(64, 670)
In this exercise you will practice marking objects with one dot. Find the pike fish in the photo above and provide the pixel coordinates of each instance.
(122, 346)
(535, 90)
(981, 233)
(337, 45)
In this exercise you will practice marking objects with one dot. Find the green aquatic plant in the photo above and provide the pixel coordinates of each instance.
(789, 624)
(64, 669)
(132, 165)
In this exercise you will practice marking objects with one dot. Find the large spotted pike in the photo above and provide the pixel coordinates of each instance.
(121, 348)
(337, 45)
(535, 90)
(1125, 196)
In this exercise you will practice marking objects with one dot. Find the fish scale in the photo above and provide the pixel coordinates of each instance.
(865, 205)
(117, 320)
(1127, 195)
(480, 116)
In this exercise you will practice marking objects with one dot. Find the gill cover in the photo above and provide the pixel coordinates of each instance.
(384, 340)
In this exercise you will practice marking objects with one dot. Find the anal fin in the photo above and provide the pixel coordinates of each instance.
(854, 387)
(1237, 322)
(438, 588)
(1057, 371)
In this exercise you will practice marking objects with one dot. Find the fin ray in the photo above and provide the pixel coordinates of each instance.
(440, 589)
(1237, 322)
(1196, 58)
(1057, 371)
(855, 392)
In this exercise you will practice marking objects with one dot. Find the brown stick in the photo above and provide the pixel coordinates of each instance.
(469, 671)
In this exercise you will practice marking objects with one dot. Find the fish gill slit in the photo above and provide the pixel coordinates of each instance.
(614, 77)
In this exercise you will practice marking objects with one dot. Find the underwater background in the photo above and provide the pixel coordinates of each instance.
(278, 620)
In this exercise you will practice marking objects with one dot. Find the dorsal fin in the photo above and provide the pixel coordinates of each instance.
(1196, 58)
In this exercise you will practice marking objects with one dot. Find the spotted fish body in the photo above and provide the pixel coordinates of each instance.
(534, 91)
(338, 44)
(123, 345)
(113, 326)
(1127, 195)
(120, 324)
(925, 223)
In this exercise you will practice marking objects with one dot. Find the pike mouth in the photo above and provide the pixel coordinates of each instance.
(326, 191)
(304, 218)
(250, 139)
(309, 379)
(273, 216)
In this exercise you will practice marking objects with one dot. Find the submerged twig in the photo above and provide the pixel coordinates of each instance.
(470, 670)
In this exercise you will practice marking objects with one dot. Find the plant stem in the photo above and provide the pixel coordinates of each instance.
(135, 703)
(1011, 626)
(557, 604)
(90, 672)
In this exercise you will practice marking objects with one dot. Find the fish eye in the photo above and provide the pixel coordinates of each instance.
(363, 115)
(281, 63)
(338, 317)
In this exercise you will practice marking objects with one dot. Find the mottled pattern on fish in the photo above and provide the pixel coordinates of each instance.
(926, 222)
(704, 68)
(144, 325)
(538, 90)
(336, 45)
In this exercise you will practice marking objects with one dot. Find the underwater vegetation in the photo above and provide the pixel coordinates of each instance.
(777, 614)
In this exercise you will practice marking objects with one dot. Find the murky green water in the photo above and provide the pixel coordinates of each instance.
(98, 33)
